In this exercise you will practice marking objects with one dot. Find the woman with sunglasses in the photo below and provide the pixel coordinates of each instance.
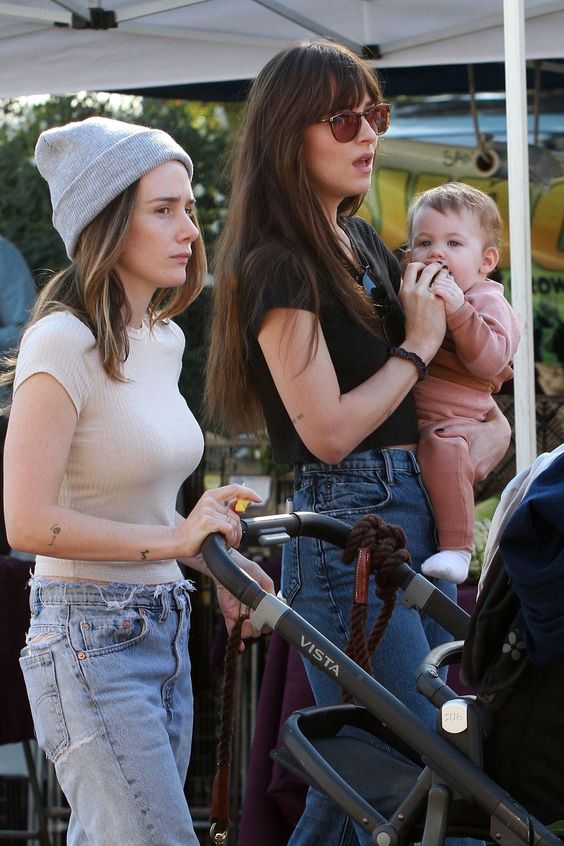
(298, 344)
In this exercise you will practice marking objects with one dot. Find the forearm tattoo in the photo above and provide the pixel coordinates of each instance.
(144, 554)
(55, 531)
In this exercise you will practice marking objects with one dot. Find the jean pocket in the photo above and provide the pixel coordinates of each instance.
(348, 496)
(97, 631)
(39, 672)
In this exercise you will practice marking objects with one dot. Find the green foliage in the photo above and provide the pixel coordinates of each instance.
(481, 529)
(484, 510)
(548, 330)
(483, 513)
(557, 828)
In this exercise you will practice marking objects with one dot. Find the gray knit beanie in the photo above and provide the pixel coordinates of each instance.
(87, 164)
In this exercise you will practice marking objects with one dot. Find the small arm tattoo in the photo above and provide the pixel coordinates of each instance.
(144, 554)
(55, 530)
(299, 416)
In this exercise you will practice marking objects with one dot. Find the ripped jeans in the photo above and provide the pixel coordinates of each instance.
(107, 673)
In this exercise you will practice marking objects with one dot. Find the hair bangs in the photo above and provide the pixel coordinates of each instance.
(350, 80)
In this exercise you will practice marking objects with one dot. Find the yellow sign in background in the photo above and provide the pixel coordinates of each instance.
(407, 167)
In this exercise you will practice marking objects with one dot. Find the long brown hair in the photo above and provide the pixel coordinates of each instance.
(91, 289)
(275, 220)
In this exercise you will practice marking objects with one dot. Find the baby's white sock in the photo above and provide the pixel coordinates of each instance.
(450, 564)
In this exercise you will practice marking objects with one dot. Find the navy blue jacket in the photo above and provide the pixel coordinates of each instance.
(532, 548)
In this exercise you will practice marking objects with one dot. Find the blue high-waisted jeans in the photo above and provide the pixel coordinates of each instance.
(107, 673)
(317, 584)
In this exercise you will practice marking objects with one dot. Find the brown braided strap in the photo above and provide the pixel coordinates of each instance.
(219, 811)
(378, 548)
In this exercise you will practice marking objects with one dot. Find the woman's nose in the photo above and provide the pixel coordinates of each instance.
(366, 131)
(189, 231)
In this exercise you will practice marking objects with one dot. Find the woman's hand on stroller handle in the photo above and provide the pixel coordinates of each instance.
(232, 608)
(240, 582)
(215, 511)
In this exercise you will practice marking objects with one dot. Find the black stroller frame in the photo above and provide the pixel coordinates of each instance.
(447, 765)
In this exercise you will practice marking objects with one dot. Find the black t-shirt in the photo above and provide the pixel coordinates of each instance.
(355, 352)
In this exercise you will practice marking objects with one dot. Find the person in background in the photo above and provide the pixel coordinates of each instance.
(17, 296)
(460, 227)
(99, 441)
(310, 340)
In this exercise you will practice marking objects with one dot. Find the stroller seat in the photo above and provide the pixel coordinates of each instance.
(374, 772)
(367, 780)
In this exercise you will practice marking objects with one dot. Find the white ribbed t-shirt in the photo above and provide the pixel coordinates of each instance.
(134, 444)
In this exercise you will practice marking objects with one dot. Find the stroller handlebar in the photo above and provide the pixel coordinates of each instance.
(224, 569)
(306, 523)
(418, 591)
(267, 530)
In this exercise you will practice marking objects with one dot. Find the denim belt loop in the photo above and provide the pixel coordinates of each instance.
(413, 456)
(164, 597)
(35, 600)
(180, 596)
(388, 466)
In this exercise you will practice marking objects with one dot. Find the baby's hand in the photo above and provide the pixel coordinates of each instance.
(445, 287)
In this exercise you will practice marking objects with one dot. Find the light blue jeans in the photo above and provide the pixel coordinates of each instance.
(107, 673)
(317, 584)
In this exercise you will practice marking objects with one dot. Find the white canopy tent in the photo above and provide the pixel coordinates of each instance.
(62, 46)
(54, 46)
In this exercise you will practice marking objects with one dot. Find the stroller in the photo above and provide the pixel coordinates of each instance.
(418, 784)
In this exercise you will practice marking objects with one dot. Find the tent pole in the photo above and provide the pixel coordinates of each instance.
(520, 228)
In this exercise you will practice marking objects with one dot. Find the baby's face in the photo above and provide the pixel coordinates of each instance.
(454, 240)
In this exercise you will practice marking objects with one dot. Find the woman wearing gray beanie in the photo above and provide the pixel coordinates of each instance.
(99, 442)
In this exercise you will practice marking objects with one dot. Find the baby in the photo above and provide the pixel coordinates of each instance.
(459, 227)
